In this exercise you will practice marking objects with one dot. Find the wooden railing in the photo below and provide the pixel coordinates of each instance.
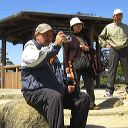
(10, 77)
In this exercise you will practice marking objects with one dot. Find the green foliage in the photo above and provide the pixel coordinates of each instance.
(120, 71)
(8, 62)
(103, 79)
(119, 76)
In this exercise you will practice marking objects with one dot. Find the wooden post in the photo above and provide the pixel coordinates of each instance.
(3, 58)
(2, 76)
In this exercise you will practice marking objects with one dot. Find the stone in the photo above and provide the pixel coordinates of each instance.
(118, 103)
(18, 114)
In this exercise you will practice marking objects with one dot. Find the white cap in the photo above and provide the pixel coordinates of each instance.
(117, 11)
(74, 21)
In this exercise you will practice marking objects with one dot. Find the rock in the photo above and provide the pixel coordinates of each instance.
(18, 114)
(120, 113)
(126, 102)
(118, 103)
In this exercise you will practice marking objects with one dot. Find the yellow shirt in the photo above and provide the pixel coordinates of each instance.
(115, 35)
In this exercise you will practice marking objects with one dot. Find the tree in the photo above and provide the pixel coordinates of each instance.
(8, 62)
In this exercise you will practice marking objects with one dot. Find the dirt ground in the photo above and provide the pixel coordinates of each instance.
(105, 121)
(108, 121)
(112, 114)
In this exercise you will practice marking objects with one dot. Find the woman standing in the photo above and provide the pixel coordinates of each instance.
(80, 44)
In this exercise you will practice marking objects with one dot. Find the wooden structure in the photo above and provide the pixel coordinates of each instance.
(11, 77)
(19, 28)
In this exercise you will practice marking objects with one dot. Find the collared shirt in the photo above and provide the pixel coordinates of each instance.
(115, 35)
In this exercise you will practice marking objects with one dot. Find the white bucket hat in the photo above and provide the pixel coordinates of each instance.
(117, 11)
(74, 21)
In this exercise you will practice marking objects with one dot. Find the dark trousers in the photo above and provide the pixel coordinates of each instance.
(88, 84)
(51, 103)
(114, 57)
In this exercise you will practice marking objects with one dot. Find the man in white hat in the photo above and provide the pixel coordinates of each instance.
(115, 37)
(43, 84)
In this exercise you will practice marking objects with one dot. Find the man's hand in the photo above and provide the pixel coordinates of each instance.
(71, 88)
(60, 38)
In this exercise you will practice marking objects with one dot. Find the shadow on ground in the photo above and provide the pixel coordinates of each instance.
(89, 126)
(109, 103)
(94, 126)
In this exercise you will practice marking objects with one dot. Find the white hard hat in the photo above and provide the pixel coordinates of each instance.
(117, 11)
(74, 21)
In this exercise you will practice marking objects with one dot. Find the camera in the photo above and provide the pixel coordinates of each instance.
(68, 38)
(69, 80)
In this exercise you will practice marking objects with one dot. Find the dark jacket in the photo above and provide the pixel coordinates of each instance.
(72, 50)
(42, 76)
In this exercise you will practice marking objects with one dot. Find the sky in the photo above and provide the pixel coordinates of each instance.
(103, 8)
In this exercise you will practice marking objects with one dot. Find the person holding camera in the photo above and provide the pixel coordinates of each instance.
(43, 84)
(77, 58)
(115, 37)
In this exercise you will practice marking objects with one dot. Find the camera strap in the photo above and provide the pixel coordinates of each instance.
(82, 42)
